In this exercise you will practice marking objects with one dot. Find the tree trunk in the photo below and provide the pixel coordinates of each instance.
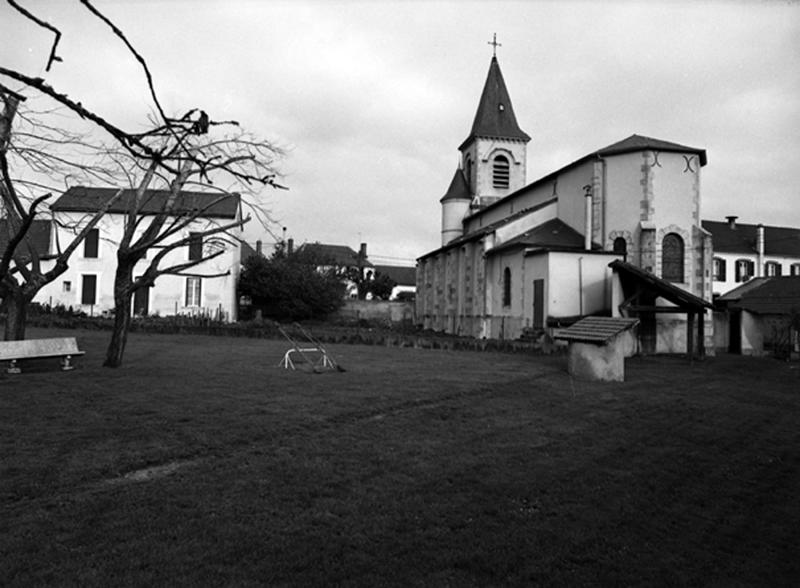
(123, 299)
(16, 308)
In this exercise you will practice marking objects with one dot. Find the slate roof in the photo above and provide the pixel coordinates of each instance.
(483, 231)
(495, 115)
(86, 199)
(775, 295)
(339, 255)
(742, 238)
(640, 143)
(459, 189)
(38, 237)
(554, 234)
(401, 275)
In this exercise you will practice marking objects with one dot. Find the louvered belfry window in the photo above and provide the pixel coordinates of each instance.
(500, 172)
(672, 258)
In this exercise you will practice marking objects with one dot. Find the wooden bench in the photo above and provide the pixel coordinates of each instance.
(12, 351)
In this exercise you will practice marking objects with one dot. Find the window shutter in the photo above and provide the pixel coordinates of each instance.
(722, 270)
(90, 243)
(737, 267)
(89, 293)
(195, 246)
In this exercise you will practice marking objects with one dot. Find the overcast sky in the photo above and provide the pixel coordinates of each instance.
(372, 99)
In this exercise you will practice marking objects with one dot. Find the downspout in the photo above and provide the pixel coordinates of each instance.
(580, 286)
(587, 228)
(760, 249)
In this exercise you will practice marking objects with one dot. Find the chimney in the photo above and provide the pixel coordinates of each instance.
(259, 248)
(289, 246)
(732, 222)
(362, 253)
(760, 250)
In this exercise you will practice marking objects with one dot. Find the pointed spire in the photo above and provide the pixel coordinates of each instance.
(495, 117)
(459, 189)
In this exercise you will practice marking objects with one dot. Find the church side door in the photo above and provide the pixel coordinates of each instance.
(538, 304)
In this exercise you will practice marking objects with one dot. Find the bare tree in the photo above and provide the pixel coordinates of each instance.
(24, 268)
(175, 153)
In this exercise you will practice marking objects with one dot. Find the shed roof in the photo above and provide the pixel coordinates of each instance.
(88, 199)
(662, 288)
(553, 234)
(596, 329)
(774, 295)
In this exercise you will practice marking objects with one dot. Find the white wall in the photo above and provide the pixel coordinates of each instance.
(167, 297)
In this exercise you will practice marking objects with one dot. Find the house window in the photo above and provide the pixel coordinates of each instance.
(89, 289)
(745, 269)
(719, 269)
(772, 268)
(621, 247)
(794, 269)
(672, 258)
(91, 243)
(500, 172)
(67, 286)
(193, 286)
(507, 287)
(195, 246)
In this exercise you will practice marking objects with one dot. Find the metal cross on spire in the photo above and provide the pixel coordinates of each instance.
(494, 44)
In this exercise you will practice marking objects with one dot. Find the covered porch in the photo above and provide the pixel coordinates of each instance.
(638, 293)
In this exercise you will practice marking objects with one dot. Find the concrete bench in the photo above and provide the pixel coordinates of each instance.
(12, 351)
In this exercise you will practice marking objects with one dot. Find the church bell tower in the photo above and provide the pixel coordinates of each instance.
(492, 156)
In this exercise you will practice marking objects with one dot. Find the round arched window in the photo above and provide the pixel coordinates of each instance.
(672, 258)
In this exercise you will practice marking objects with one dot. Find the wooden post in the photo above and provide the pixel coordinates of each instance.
(690, 335)
(701, 336)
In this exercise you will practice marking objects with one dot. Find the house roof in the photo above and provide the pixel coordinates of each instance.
(663, 288)
(742, 238)
(459, 189)
(339, 255)
(87, 199)
(495, 116)
(774, 295)
(38, 237)
(401, 275)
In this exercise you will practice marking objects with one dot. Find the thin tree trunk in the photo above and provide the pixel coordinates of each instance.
(16, 308)
(123, 299)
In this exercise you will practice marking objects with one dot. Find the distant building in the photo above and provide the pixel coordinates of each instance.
(88, 284)
(404, 277)
(746, 251)
(340, 257)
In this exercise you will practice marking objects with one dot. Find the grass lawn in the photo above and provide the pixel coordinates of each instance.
(199, 462)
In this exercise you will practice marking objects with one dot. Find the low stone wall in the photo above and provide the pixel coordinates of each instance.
(376, 310)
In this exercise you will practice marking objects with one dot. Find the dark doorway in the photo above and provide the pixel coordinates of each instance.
(735, 332)
(538, 304)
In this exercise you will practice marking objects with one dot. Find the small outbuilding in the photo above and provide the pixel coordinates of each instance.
(598, 346)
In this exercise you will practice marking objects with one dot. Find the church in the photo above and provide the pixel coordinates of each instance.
(519, 257)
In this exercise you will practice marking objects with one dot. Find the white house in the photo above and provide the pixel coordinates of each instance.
(518, 255)
(745, 251)
(88, 284)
